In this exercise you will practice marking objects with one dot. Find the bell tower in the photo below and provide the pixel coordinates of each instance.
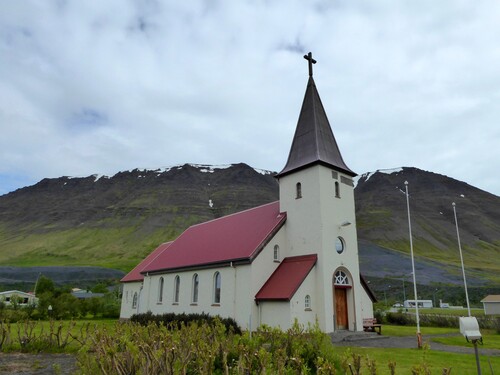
(317, 193)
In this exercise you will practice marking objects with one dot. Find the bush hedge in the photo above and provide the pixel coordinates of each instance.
(173, 320)
(434, 320)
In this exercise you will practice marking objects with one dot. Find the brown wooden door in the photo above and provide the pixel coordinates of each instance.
(341, 308)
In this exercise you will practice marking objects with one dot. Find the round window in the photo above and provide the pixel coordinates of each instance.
(339, 245)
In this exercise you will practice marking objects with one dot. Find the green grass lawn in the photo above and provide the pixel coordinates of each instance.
(491, 340)
(44, 327)
(399, 331)
(406, 359)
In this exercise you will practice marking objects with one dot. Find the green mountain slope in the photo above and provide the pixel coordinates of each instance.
(115, 222)
(382, 218)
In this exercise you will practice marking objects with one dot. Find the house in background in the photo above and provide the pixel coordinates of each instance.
(84, 294)
(294, 259)
(23, 298)
(491, 304)
(423, 303)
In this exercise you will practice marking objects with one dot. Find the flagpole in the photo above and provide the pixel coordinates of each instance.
(461, 258)
(419, 335)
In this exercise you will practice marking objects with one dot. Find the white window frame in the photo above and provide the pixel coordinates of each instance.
(177, 287)
(161, 283)
(217, 288)
(195, 288)
(307, 302)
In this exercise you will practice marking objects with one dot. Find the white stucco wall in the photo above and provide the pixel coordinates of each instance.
(239, 284)
(275, 314)
(298, 309)
(127, 310)
(313, 224)
(283, 313)
(366, 305)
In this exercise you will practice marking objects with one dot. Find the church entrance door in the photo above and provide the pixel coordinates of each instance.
(341, 308)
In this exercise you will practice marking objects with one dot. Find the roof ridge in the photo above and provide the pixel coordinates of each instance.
(233, 214)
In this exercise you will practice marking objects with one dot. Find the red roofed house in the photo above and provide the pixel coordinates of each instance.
(295, 259)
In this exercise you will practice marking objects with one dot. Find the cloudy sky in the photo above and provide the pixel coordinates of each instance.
(102, 86)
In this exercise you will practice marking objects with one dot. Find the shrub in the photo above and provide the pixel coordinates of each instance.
(177, 320)
(430, 320)
(206, 348)
(380, 316)
(400, 318)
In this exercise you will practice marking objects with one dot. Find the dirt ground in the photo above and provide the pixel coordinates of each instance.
(37, 364)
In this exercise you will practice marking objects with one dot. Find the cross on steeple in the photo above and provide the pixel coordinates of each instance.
(309, 58)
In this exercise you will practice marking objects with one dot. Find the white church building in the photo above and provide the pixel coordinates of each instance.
(294, 259)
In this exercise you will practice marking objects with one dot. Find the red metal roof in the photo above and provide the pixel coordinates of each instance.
(287, 278)
(236, 237)
(135, 274)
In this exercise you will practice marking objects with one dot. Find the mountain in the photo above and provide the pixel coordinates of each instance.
(116, 221)
(382, 218)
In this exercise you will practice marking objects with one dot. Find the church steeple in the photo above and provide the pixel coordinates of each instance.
(313, 142)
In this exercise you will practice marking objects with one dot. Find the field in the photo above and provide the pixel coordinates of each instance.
(435, 361)
(404, 360)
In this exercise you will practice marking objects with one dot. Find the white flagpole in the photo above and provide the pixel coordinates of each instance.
(419, 335)
(461, 258)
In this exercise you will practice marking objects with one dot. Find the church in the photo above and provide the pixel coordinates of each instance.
(294, 259)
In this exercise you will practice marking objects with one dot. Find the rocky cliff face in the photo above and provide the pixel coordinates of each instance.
(156, 196)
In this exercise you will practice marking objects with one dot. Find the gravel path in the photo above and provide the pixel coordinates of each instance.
(37, 364)
(407, 342)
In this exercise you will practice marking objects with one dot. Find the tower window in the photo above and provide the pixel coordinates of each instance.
(341, 278)
(340, 245)
(307, 302)
(337, 189)
(298, 190)
(276, 254)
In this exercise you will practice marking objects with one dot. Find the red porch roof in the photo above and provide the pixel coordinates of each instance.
(287, 278)
(135, 274)
(236, 237)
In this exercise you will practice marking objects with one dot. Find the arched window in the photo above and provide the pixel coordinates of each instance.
(298, 190)
(337, 189)
(160, 290)
(276, 254)
(307, 302)
(217, 286)
(177, 286)
(194, 294)
(134, 301)
(341, 278)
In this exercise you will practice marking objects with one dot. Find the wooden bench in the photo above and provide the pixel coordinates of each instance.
(371, 325)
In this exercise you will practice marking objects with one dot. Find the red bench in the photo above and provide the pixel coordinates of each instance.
(371, 325)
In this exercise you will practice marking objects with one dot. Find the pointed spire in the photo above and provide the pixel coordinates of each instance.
(313, 142)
